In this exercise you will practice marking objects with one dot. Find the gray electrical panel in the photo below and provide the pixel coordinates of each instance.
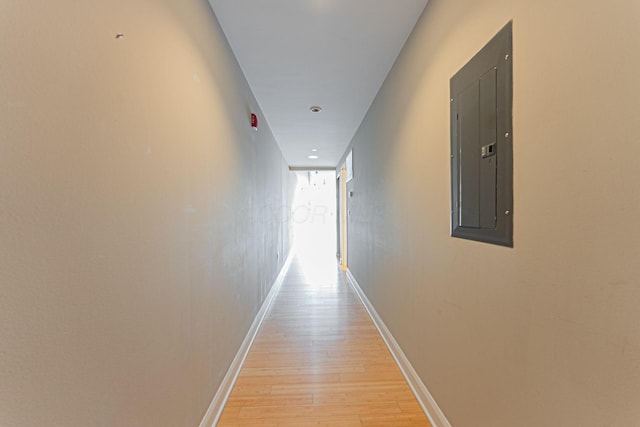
(482, 144)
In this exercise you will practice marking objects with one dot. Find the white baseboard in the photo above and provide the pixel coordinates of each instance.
(429, 405)
(216, 407)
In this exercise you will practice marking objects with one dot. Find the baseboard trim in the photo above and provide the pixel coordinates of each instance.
(213, 414)
(425, 399)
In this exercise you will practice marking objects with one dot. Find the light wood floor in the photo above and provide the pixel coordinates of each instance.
(318, 360)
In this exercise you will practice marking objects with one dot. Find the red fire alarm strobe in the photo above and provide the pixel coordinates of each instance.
(254, 121)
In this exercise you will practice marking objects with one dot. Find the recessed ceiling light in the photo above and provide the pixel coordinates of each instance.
(315, 109)
(313, 157)
(315, 150)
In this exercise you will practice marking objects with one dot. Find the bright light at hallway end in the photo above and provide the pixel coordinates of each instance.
(314, 223)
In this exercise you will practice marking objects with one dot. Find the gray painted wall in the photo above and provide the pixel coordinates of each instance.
(142, 220)
(547, 333)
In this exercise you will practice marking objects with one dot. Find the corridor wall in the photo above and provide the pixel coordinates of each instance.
(142, 220)
(546, 333)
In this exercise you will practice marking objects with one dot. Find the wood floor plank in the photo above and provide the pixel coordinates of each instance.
(318, 360)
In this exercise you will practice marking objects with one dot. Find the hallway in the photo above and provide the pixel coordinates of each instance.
(318, 360)
(151, 161)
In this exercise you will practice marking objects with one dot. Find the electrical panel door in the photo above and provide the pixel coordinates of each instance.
(481, 145)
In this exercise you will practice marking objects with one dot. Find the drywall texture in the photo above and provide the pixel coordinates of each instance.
(142, 220)
(547, 333)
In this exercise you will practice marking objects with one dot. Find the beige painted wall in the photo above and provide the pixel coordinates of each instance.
(142, 221)
(547, 333)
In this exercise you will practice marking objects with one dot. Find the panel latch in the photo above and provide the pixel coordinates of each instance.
(488, 150)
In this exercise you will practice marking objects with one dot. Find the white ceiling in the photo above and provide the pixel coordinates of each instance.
(331, 53)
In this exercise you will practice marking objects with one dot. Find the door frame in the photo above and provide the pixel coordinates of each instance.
(342, 181)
